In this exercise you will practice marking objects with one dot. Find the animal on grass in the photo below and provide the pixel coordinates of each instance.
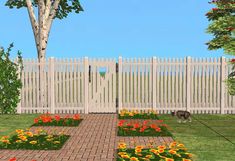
(182, 116)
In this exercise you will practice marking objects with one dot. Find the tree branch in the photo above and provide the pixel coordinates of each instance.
(47, 10)
(52, 15)
(33, 21)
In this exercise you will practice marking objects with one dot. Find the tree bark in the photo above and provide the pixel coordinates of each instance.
(41, 29)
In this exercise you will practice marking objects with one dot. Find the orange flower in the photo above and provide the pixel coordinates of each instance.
(76, 117)
(138, 150)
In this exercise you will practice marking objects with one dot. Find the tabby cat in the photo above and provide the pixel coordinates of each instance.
(182, 116)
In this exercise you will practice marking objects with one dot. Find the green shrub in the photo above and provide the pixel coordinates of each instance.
(10, 84)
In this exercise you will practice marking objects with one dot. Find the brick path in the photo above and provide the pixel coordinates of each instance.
(95, 139)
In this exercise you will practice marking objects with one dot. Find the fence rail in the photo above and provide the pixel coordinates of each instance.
(193, 84)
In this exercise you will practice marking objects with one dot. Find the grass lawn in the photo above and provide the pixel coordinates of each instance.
(9, 123)
(208, 137)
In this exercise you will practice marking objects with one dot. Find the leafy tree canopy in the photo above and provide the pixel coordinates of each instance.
(65, 6)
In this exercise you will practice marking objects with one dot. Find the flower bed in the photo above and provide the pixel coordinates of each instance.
(145, 129)
(49, 120)
(24, 139)
(174, 152)
(136, 114)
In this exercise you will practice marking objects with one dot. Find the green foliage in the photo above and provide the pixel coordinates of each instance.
(223, 30)
(65, 6)
(10, 84)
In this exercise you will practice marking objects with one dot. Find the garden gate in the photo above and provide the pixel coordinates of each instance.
(102, 86)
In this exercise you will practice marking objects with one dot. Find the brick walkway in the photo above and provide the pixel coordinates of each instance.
(95, 139)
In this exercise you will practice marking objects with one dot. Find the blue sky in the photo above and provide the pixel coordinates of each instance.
(107, 28)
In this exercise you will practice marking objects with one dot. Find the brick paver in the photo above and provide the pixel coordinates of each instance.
(95, 139)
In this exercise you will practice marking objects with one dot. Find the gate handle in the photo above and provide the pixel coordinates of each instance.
(89, 73)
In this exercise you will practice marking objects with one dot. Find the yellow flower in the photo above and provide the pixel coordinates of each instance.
(172, 151)
(131, 114)
(161, 150)
(180, 145)
(139, 147)
(23, 138)
(33, 142)
(30, 134)
(5, 137)
(134, 159)
(49, 136)
(169, 159)
(125, 156)
(6, 141)
(153, 150)
(186, 159)
(122, 153)
(19, 131)
(138, 150)
(161, 147)
(49, 139)
(56, 142)
(18, 141)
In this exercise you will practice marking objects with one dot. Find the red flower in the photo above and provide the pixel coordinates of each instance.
(145, 122)
(35, 120)
(214, 9)
(76, 117)
(145, 127)
(158, 129)
(128, 124)
(13, 159)
(57, 117)
(136, 125)
(153, 126)
(142, 130)
(120, 124)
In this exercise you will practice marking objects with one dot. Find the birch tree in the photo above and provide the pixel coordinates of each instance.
(48, 10)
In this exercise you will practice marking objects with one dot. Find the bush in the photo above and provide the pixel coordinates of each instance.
(10, 84)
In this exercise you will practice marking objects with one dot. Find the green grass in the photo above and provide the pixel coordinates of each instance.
(9, 123)
(208, 137)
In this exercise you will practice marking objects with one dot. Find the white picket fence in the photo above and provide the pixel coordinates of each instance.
(192, 84)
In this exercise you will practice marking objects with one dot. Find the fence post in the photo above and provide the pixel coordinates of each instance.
(119, 84)
(86, 66)
(222, 87)
(19, 77)
(188, 83)
(52, 87)
(154, 83)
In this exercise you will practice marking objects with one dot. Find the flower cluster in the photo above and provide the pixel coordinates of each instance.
(175, 151)
(144, 129)
(25, 139)
(49, 120)
(144, 114)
